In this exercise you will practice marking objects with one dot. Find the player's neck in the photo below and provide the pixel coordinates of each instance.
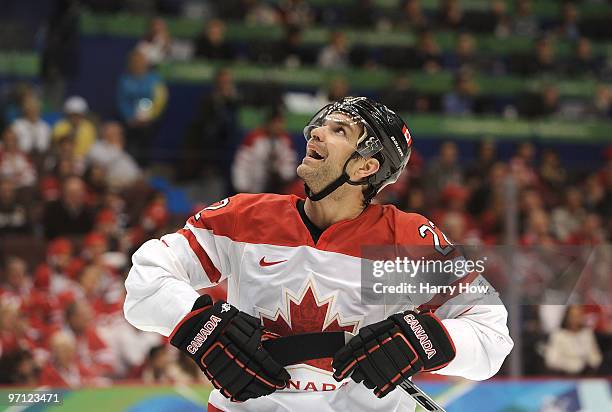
(327, 211)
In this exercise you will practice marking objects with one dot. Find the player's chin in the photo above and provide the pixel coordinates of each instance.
(308, 172)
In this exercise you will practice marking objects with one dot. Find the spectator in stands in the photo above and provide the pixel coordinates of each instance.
(15, 165)
(522, 165)
(291, 50)
(62, 161)
(427, 54)
(487, 202)
(590, 232)
(335, 54)
(91, 351)
(288, 51)
(76, 126)
(103, 292)
(120, 169)
(411, 16)
(568, 23)
(572, 349)
(108, 225)
(261, 13)
(460, 101)
(141, 98)
(70, 215)
(525, 22)
(601, 105)
(443, 170)
(14, 215)
(53, 277)
(546, 103)
(594, 192)
(400, 94)
(583, 63)
(414, 201)
(156, 43)
(33, 133)
(15, 281)
(266, 160)
(543, 61)
(538, 229)
(567, 218)
(160, 368)
(211, 44)
(155, 216)
(64, 368)
(450, 15)
(213, 130)
(94, 247)
(502, 23)
(551, 104)
(95, 181)
(454, 198)
(464, 56)
(551, 172)
(15, 332)
(481, 166)
(297, 13)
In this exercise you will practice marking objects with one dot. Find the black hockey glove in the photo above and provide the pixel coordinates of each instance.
(226, 345)
(385, 353)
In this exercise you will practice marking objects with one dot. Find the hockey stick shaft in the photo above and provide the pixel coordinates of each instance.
(421, 397)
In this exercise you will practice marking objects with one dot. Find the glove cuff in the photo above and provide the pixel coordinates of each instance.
(201, 304)
(202, 301)
(429, 338)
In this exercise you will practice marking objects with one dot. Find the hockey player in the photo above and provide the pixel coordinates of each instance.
(294, 266)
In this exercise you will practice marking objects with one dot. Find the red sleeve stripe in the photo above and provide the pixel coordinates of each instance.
(440, 299)
(209, 268)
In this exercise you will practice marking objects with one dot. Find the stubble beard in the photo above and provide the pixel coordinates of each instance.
(317, 178)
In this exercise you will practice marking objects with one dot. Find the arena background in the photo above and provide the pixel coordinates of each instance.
(121, 118)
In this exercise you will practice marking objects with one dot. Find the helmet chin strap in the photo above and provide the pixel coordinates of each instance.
(342, 179)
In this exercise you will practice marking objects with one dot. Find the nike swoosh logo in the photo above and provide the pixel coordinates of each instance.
(263, 262)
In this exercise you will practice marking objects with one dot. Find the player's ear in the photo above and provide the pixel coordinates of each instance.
(367, 168)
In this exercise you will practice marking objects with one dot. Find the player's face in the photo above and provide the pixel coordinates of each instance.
(330, 145)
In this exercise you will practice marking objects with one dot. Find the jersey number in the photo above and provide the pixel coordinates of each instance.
(214, 206)
(424, 229)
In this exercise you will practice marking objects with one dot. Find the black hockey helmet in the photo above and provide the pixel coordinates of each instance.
(385, 137)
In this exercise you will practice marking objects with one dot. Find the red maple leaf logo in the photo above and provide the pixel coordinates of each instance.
(306, 314)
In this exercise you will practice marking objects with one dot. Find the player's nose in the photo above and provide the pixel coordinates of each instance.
(318, 133)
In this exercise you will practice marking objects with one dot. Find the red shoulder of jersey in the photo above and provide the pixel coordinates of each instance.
(253, 218)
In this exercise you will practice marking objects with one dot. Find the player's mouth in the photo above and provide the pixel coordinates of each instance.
(314, 153)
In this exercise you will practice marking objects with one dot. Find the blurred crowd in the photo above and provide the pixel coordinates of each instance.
(76, 198)
(469, 57)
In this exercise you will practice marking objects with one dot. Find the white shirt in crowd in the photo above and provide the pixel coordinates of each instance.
(572, 351)
(121, 169)
(32, 136)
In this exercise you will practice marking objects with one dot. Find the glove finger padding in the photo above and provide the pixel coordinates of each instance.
(346, 358)
(385, 353)
(226, 345)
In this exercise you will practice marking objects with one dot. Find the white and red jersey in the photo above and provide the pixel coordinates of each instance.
(277, 273)
(259, 157)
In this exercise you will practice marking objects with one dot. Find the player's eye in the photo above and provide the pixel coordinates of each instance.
(340, 130)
